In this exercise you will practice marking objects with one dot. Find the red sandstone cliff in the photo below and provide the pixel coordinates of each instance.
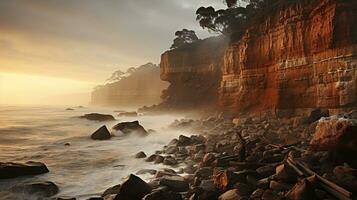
(194, 73)
(302, 56)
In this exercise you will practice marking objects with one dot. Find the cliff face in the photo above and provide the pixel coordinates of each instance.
(194, 73)
(302, 56)
(140, 88)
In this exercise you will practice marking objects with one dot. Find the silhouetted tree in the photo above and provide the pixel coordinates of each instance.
(184, 37)
(223, 21)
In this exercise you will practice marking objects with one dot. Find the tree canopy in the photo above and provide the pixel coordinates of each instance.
(183, 37)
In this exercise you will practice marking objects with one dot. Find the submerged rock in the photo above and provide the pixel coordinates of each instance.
(98, 117)
(128, 114)
(42, 189)
(130, 127)
(133, 189)
(13, 170)
(101, 134)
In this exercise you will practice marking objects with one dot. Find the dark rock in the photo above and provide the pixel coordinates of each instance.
(224, 180)
(65, 198)
(171, 149)
(159, 159)
(230, 195)
(162, 195)
(43, 189)
(175, 183)
(271, 195)
(338, 136)
(101, 134)
(130, 127)
(285, 173)
(140, 154)
(302, 190)
(184, 141)
(208, 159)
(69, 109)
(170, 161)
(95, 198)
(133, 189)
(146, 171)
(278, 186)
(266, 170)
(13, 170)
(257, 194)
(243, 189)
(204, 172)
(112, 190)
(98, 117)
(151, 158)
(317, 114)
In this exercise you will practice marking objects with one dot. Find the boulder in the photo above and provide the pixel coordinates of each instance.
(133, 189)
(112, 190)
(130, 127)
(169, 161)
(338, 135)
(208, 160)
(140, 154)
(224, 180)
(101, 134)
(184, 141)
(41, 189)
(230, 195)
(146, 171)
(13, 170)
(98, 117)
(302, 190)
(175, 183)
(162, 195)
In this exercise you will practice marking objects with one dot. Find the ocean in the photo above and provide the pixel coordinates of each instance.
(85, 167)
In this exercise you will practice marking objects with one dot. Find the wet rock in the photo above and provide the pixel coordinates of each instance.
(198, 139)
(208, 159)
(96, 198)
(302, 190)
(169, 161)
(175, 183)
(204, 172)
(257, 194)
(184, 141)
(171, 150)
(207, 185)
(160, 174)
(230, 195)
(317, 114)
(133, 189)
(162, 195)
(69, 109)
(130, 127)
(224, 180)
(189, 169)
(101, 134)
(346, 177)
(243, 189)
(271, 195)
(278, 186)
(42, 189)
(146, 171)
(159, 159)
(264, 183)
(337, 135)
(65, 198)
(140, 154)
(266, 170)
(13, 170)
(151, 158)
(285, 173)
(98, 117)
(112, 190)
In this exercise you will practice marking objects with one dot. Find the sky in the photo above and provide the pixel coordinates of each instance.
(53, 49)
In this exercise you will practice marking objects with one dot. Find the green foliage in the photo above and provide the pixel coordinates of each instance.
(184, 37)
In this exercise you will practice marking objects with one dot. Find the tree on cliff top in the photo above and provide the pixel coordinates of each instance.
(184, 37)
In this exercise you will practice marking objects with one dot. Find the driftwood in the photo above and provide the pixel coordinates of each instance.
(332, 188)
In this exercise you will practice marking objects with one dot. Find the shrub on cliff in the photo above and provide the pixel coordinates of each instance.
(184, 37)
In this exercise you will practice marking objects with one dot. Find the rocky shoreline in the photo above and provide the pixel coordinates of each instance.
(304, 157)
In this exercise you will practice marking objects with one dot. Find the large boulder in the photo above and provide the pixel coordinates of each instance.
(98, 117)
(133, 189)
(101, 134)
(13, 170)
(175, 183)
(42, 189)
(337, 135)
(130, 127)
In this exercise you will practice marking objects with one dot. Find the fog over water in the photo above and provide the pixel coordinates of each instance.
(86, 166)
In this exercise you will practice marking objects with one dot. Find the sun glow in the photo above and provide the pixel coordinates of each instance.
(33, 89)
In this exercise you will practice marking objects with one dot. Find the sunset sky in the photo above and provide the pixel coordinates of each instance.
(55, 49)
